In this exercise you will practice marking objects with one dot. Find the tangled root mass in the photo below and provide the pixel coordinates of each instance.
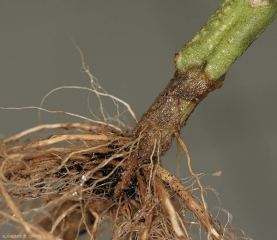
(80, 180)
(61, 186)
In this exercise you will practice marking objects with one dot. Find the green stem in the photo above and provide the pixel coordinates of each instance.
(227, 34)
(201, 66)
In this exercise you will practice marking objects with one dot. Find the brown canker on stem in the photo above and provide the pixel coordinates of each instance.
(167, 114)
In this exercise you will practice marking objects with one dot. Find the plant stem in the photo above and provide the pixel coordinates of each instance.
(227, 34)
(201, 66)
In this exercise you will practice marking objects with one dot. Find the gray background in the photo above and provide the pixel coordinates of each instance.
(129, 46)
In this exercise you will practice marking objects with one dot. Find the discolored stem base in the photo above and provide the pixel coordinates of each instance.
(171, 109)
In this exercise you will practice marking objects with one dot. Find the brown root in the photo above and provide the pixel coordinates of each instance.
(67, 185)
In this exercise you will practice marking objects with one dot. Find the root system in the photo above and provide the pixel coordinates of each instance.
(77, 180)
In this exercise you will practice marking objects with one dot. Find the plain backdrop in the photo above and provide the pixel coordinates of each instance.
(129, 46)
